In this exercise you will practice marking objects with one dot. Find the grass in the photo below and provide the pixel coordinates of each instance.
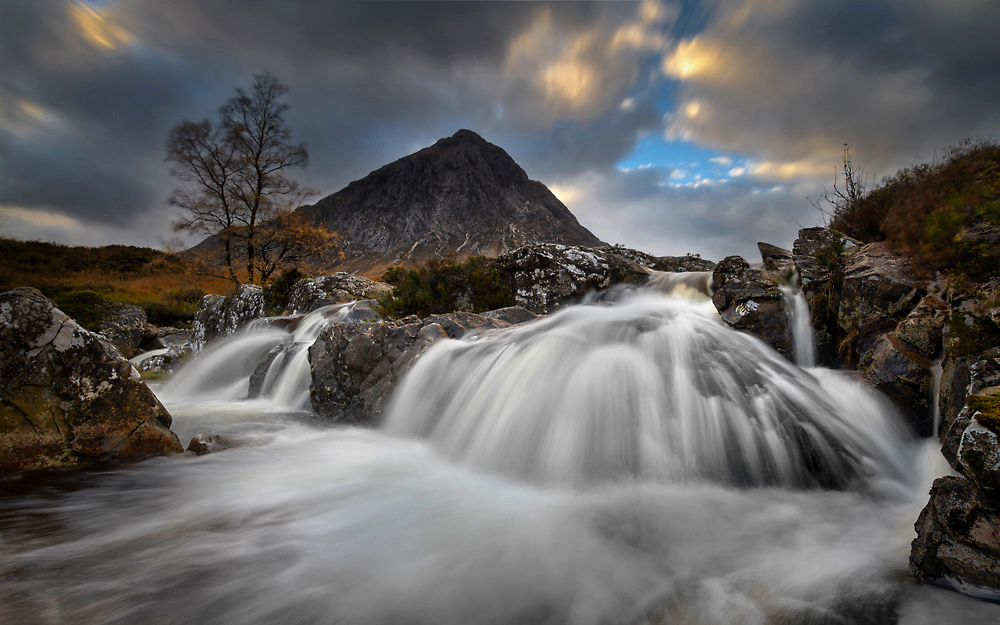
(86, 282)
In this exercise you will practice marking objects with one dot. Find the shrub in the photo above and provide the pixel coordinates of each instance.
(276, 293)
(87, 308)
(443, 286)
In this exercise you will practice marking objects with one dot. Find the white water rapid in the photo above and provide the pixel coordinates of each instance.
(634, 462)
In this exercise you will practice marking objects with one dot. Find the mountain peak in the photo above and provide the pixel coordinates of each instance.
(458, 197)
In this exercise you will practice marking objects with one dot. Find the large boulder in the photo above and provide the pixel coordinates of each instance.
(877, 285)
(751, 301)
(311, 294)
(219, 316)
(66, 397)
(548, 276)
(905, 377)
(958, 532)
(125, 327)
(958, 539)
(356, 365)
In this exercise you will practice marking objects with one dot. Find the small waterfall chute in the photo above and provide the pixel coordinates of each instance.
(803, 335)
(223, 370)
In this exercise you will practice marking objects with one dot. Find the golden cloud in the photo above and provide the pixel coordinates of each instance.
(99, 27)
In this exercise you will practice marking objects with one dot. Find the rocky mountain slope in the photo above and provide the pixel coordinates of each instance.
(461, 196)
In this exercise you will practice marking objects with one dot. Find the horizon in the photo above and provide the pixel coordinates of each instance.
(673, 128)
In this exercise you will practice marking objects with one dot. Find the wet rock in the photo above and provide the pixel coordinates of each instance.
(904, 377)
(958, 539)
(314, 293)
(259, 375)
(751, 301)
(960, 378)
(548, 276)
(512, 315)
(219, 316)
(164, 363)
(775, 258)
(125, 327)
(690, 262)
(202, 444)
(978, 451)
(65, 397)
(167, 338)
(680, 264)
(356, 365)
(877, 285)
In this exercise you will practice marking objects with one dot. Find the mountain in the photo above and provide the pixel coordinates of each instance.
(461, 196)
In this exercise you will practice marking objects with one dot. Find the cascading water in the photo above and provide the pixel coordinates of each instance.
(594, 467)
(222, 372)
(803, 336)
(649, 389)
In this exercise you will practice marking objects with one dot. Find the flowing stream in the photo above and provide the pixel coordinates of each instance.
(625, 462)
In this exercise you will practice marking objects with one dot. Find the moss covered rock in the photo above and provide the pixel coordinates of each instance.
(66, 397)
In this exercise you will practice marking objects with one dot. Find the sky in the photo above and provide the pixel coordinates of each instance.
(698, 126)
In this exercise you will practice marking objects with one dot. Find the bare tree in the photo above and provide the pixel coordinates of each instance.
(843, 199)
(237, 191)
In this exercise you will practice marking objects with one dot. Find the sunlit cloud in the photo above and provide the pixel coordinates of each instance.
(567, 194)
(582, 73)
(724, 161)
(99, 27)
(36, 217)
(814, 167)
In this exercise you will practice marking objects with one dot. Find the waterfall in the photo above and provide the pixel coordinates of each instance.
(623, 463)
(651, 388)
(223, 370)
(803, 336)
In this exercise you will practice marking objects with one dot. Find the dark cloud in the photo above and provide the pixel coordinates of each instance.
(88, 105)
(796, 80)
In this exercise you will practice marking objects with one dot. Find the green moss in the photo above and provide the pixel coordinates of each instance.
(970, 340)
(988, 409)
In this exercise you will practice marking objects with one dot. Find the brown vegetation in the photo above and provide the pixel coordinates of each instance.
(85, 281)
(946, 216)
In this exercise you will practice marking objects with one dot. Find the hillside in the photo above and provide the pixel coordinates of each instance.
(461, 196)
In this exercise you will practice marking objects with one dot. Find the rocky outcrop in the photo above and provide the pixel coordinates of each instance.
(546, 277)
(461, 196)
(219, 316)
(905, 377)
(125, 327)
(676, 264)
(816, 254)
(65, 397)
(312, 294)
(958, 539)
(775, 258)
(751, 301)
(900, 363)
(356, 366)
(958, 532)
(877, 285)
